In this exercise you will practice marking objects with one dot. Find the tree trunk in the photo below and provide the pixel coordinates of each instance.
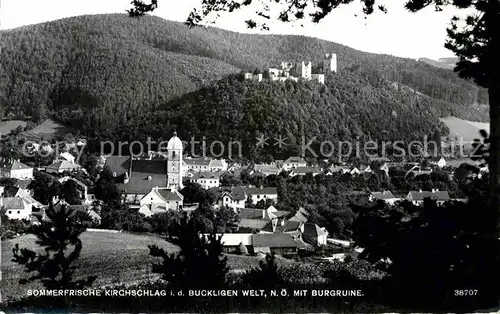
(494, 152)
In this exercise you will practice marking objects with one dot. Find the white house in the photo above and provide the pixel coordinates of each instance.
(294, 162)
(207, 179)
(204, 164)
(162, 199)
(16, 208)
(313, 234)
(265, 169)
(302, 171)
(417, 197)
(236, 198)
(16, 170)
(258, 194)
(438, 161)
(385, 196)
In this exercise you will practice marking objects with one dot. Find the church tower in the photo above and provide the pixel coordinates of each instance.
(174, 163)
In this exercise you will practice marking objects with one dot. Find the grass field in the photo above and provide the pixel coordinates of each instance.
(468, 130)
(116, 258)
(113, 257)
(8, 126)
(48, 129)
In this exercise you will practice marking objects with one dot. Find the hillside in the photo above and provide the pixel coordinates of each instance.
(108, 72)
(346, 108)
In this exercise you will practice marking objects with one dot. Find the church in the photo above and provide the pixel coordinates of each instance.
(151, 185)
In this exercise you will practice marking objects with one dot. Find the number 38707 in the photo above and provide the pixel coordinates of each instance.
(465, 292)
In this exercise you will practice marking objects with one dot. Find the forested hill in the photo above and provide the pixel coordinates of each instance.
(106, 71)
(347, 108)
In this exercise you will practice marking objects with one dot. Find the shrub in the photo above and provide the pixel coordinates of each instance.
(242, 249)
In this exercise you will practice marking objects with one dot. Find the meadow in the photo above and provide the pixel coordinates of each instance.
(10, 125)
(115, 258)
(468, 130)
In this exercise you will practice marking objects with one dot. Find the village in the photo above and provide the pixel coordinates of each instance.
(154, 185)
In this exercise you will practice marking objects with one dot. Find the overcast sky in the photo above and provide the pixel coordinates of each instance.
(398, 32)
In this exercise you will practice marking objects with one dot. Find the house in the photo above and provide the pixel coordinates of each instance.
(15, 208)
(272, 213)
(385, 168)
(204, 164)
(302, 171)
(266, 170)
(263, 193)
(282, 225)
(365, 168)
(438, 161)
(301, 216)
(294, 162)
(60, 166)
(354, 171)
(418, 171)
(22, 193)
(277, 243)
(16, 170)
(162, 199)
(233, 167)
(313, 234)
(234, 198)
(231, 241)
(417, 197)
(217, 165)
(206, 179)
(339, 169)
(66, 156)
(385, 196)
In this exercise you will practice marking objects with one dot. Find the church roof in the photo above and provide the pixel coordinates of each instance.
(146, 174)
(118, 164)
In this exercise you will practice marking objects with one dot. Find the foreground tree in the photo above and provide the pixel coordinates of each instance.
(200, 263)
(106, 189)
(60, 238)
(440, 250)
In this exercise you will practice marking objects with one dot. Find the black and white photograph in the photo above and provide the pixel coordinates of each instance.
(249, 156)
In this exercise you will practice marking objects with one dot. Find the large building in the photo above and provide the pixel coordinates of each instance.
(16, 170)
(136, 178)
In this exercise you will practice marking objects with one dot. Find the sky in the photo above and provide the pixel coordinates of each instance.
(399, 32)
